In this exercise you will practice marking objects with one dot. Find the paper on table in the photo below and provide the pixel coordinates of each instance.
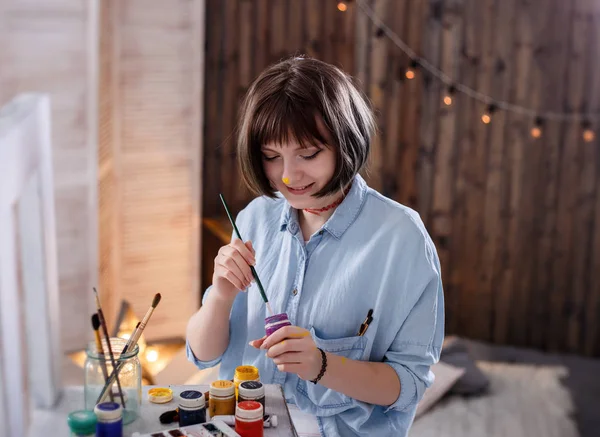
(306, 424)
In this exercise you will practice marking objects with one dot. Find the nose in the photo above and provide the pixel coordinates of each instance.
(291, 172)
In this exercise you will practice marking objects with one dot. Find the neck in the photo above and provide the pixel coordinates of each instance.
(311, 220)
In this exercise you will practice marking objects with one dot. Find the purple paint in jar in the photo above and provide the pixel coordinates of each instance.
(276, 321)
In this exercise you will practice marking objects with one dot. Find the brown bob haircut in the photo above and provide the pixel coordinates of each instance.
(283, 104)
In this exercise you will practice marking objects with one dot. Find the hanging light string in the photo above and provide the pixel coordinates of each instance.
(492, 104)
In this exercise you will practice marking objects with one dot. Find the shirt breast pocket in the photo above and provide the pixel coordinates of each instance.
(326, 401)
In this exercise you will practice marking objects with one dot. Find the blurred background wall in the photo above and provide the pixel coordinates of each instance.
(513, 206)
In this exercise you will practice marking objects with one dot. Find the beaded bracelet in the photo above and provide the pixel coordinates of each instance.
(323, 366)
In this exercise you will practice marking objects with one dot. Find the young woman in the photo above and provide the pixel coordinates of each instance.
(329, 250)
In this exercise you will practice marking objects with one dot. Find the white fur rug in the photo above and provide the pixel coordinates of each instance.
(523, 401)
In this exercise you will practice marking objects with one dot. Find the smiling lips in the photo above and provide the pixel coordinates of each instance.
(300, 190)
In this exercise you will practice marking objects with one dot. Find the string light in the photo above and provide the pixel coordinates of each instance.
(411, 71)
(536, 130)
(449, 94)
(383, 29)
(342, 6)
(487, 116)
(588, 133)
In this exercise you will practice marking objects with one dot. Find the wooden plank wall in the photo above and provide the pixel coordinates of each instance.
(516, 219)
(48, 47)
(150, 146)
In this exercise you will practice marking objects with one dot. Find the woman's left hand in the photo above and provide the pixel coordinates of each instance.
(293, 350)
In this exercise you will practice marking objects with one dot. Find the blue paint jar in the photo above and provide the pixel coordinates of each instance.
(110, 419)
(192, 408)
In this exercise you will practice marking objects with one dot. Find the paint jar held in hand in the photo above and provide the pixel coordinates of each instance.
(109, 419)
(82, 423)
(222, 398)
(275, 322)
(130, 376)
(249, 419)
(244, 373)
(192, 408)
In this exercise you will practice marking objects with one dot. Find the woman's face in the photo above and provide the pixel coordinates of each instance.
(299, 172)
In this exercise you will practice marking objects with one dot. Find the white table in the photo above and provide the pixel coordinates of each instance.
(54, 422)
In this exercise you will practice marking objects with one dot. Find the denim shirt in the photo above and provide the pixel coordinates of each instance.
(372, 253)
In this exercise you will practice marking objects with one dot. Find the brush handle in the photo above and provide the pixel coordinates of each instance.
(110, 353)
(130, 344)
(237, 233)
(102, 363)
(111, 379)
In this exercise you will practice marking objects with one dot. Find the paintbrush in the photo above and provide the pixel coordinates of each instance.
(252, 269)
(133, 339)
(96, 326)
(110, 352)
(142, 325)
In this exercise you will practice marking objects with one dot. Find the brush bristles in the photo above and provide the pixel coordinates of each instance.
(156, 300)
(95, 322)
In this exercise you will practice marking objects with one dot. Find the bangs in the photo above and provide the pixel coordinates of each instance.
(282, 120)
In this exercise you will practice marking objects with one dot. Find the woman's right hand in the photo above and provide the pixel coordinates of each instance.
(232, 272)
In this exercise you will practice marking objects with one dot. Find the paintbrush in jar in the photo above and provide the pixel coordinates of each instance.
(110, 352)
(133, 339)
(96, 326)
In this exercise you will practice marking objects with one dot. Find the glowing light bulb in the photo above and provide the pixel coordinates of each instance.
(589, 135)
(448, 100)
(151, 355)
(342, 7)
(536, 132)
(486, 118)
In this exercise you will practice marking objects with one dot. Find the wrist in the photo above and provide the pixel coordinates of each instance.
(221, 297)
(322, 367)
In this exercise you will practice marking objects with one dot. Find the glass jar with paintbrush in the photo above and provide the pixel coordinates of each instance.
(98, 367)
(112, 369)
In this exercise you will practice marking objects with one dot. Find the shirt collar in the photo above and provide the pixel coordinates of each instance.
(341, 219)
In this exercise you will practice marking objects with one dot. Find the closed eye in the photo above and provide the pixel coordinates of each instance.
(313, 156)
(270, 158)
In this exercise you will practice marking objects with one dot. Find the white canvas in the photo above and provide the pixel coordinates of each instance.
(29, 300)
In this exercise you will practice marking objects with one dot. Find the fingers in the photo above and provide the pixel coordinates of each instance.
(290, 345)
(291, 332)
(236, 281)
(251, 247)
(234, 258)
(244, 251)
(290, 368)
(257, 343)
(289, 358)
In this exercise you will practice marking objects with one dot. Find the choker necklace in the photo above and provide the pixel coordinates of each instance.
(318, 211)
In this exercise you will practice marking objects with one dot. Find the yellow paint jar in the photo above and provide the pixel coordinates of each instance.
(244, 373)
(222, 398)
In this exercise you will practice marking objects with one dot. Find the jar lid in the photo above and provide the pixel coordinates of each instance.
(222, 388)
(191, 399)
(108, 411)
(82, 422)
(249, 410)
(251, 389)
(160, 395)
(245, 373)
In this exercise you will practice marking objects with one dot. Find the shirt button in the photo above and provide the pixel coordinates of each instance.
(295, 292)
(320, 232)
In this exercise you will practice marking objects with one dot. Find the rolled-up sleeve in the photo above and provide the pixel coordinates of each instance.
(418, 343)
(199, 363)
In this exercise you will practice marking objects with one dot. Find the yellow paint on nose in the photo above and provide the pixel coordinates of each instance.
(286, 180)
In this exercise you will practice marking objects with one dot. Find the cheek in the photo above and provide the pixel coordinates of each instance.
(272, 172)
